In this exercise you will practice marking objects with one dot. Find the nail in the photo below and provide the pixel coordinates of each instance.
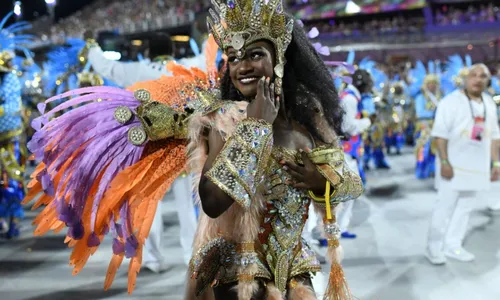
(282, 162)
(308, 150)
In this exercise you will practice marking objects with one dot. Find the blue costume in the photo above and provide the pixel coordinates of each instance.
(12, 155)
(426, 153)
(399, 103)
(373, 139)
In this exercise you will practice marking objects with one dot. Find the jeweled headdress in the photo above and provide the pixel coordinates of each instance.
(238, 23)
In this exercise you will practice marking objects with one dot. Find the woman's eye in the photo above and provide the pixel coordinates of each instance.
(233, 59)
(256, 55)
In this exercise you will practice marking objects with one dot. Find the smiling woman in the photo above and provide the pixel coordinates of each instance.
(259, 174)
(263, 148)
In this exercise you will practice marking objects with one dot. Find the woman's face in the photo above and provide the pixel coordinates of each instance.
(257, 62)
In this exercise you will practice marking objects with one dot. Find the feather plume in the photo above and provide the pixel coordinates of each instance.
(96, 181)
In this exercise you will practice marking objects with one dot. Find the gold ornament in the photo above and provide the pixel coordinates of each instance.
(123, 114)
(137, 136)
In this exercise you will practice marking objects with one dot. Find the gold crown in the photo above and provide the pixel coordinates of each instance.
(238, 23)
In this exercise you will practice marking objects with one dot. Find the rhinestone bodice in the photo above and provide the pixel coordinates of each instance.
(286, 254)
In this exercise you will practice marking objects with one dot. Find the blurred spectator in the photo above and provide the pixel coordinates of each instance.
(473, 14)
(125, 16)
(397, 24)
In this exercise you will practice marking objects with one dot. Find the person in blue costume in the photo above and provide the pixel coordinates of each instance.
(29, 73)
(12, 156)
(425, 107)
(373, 138)
(398, 104)
(354, 125)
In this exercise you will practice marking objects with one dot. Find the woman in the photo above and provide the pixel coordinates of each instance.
(256, 173)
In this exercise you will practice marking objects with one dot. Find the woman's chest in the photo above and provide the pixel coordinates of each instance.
(293, 138)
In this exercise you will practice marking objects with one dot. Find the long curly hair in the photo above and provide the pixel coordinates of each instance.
(307, 86)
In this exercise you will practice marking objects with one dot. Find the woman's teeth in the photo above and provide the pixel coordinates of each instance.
(248, 80)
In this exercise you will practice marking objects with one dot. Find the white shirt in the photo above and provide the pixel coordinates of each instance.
(128, 73)
(351, 124)
(470, 159)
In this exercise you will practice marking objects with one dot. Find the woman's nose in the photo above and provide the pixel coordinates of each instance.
(245, 66)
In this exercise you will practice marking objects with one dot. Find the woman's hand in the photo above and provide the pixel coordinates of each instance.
(306, 177)
(266, 105)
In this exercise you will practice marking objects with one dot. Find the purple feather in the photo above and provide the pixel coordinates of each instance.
(76, 232)
(118, 247)
(131, 246)
(93, 240)
(98, 145)
(313, 33)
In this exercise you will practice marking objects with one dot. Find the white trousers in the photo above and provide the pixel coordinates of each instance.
(450, 217)
(184, 202)
(344, 212)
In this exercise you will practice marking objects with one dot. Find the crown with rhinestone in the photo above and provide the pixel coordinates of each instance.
(238, 23)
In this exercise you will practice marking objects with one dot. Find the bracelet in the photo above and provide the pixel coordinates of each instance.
(322, 198)
(326, 199)
(445, 162)
(496, 164)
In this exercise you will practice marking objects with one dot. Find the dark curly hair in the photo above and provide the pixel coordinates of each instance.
(307, 83)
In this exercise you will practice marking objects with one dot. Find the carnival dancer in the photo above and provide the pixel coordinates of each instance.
(127, 74)
(397, 116)
(425, 107)
(354, 125)
(262, 158)
(12, 156)
(373, 139)
(468, 140)
(29, 73)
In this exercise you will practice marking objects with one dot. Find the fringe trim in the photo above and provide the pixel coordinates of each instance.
(337, 288)
(246, 289)
(273, 293)
(302, 292)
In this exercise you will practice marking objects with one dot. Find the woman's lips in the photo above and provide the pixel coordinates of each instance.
(248, 80)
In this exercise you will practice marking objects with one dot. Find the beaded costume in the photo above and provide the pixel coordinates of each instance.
(154, 131)
(425, 107)
(12, 154)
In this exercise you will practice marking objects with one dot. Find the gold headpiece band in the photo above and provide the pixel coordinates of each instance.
(434, 78)
(239, 23)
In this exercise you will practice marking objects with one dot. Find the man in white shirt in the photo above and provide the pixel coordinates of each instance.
(127, 74)
(468, 140)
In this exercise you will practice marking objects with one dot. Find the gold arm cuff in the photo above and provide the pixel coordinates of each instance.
(326, 155)
(238, 168)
